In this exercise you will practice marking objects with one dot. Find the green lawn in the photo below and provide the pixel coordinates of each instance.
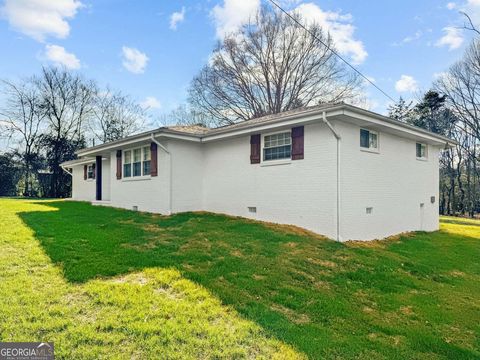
(109, 283)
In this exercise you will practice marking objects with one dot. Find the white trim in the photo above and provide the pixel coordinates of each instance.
(137, 178)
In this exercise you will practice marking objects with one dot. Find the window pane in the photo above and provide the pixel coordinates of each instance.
(146, 153)
(127, 170)
(128, 157)
(276, 153)
(146, 167)
(419, 150)
(90, 172)
(373, 141)
(277, 140)
(137, 155)
(364, 138)
(137, 169)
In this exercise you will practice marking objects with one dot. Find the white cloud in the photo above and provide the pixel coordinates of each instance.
(453, 38)
(340, 28)
(59, 56)
(150, 102)
(40, 18)
(406, 83)
(439, 75)
(134, 60)
(232, 14)
(176, 18)
(451, 6)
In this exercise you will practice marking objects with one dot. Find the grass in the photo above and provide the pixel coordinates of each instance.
(111, 283)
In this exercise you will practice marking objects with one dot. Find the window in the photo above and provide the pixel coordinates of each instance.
(368, 139)
(277, 146)
(91, 171)
(146, 160)
(127, 164)
(421, 151)
(136, 162)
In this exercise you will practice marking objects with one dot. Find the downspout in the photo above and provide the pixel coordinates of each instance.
(338, 138)
(170, 195)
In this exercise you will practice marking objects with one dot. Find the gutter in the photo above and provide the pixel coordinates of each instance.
(170, 185)
(338, 138)
(68, 172)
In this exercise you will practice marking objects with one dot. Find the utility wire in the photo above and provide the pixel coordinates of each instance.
(332, 50)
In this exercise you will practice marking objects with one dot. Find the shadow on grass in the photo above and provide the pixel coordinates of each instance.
(308, 292)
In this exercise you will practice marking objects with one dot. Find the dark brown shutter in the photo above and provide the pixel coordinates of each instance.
(119, 164)
(297, 143)
(85, 169)
(93, 170)
(154, 159)
(255, 149)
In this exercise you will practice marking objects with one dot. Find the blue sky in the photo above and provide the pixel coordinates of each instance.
(152, 49)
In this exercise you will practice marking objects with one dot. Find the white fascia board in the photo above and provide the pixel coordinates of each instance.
(317, 116)
(405, 128)
(121, 144)
(80, 162)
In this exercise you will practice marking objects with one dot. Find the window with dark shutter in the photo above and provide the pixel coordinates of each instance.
(255, 149)
(297, 143)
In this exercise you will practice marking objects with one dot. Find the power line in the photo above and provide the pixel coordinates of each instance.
(332, 50)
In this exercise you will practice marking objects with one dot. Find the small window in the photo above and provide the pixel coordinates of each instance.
(368, 139)
(127, 164)
(91, 171)
(146, 160)
(277, 146)
(421, 151)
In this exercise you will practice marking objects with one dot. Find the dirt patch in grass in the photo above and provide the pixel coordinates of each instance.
(325, 263)
(292, 315)
(407, 310)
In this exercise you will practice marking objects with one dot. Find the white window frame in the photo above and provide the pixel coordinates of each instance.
(422, 158)
(142, 176)
(92, 169)
(370, 149)
(286, 160)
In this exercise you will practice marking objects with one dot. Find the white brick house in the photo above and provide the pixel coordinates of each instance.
(335, 169)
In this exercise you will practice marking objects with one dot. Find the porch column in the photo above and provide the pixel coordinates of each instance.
(98, 177)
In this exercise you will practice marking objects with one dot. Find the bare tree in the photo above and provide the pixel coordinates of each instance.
(66, 100)
(21, 119)
(461, 84)
(186, 115)
(469, 25)
(270, 65)
(115, 116)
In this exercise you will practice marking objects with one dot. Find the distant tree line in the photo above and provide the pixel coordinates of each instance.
(452, 108)
(49, 116)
